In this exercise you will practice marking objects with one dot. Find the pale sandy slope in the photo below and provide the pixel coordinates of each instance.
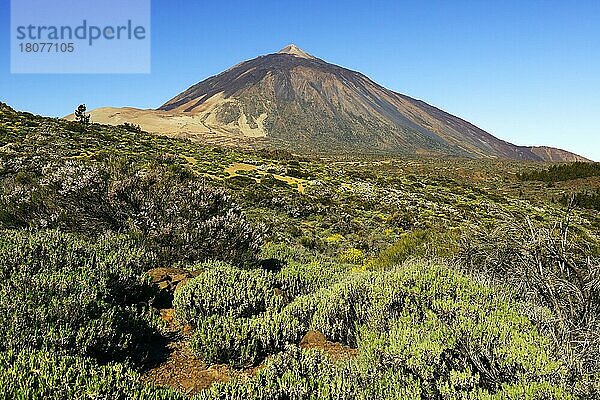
(149, 120)
(204, 120)
(189, 126)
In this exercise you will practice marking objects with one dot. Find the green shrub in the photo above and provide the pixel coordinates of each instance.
(353, 256)
(423, 331)
(310, 374)
(287, 253)
(436, 320)
(226, 291)
(551, 268)
(296, 375)
(420, 324)
(298, 279)
(65, 294)
(244, 342)
(41, 375)
(343, 308)
(131, 127)
(410, 245)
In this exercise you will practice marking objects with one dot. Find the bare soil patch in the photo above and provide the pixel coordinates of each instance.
(316, 340)
(183, 371)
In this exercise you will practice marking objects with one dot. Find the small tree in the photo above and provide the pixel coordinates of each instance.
(81, 116)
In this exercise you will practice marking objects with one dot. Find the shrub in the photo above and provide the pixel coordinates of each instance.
(65, 294)
(245, 342)
(550, 267)
(296, 374)
(287, 253)
(419, 244)
(310, 374)
(176, 215)
(40, 375)
(185, 221)
(226, 291)
(413, 244)
(353, 256)
(342, 309)
(440, 311)
(297, 279)
(419, 323)
(130, 127)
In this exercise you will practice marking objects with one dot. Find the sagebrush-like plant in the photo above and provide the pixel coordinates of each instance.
(42, 375)
(225, 290)
(177, 215)
(552, 267)
(69, 295)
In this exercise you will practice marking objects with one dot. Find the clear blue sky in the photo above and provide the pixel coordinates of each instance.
(526, 71)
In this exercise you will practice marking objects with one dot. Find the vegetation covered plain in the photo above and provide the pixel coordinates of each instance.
(425, 278)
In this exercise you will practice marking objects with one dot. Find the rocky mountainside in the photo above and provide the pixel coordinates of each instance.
(294, 100)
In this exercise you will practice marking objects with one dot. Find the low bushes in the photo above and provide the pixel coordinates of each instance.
(427, 243)
(41, 375)
(296, 374)
(552, 268)
(240, 316)
(69, 295)
(175, 214)
(303, 278)
(423, 330)
(226, 291)
(183, 219)
(310, 374)
(427, 320)
(343, 308)
(244, 342)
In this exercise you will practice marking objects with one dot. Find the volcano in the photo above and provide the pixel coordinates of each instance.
(293, 100)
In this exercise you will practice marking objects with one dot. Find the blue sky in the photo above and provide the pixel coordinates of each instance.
(526, 71)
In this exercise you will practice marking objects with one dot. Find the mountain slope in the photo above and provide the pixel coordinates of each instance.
(298, 101)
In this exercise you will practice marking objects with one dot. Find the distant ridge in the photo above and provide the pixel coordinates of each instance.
(294, 100)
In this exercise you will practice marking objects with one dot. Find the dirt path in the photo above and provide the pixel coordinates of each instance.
(175, 364)
(183, 371)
